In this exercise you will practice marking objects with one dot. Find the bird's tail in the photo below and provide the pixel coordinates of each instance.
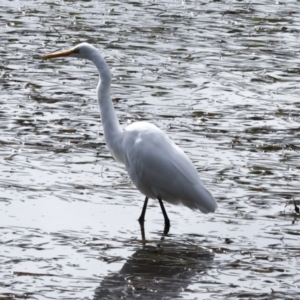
(206, 203)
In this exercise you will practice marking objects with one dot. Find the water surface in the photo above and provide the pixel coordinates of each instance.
(221, 78)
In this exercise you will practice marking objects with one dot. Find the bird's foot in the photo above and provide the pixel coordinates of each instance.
(167, 228)
(296, 207)
(142, 231)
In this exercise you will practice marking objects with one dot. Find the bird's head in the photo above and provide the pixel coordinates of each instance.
(83, 50)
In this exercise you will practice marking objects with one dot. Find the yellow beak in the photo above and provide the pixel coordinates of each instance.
(58, 54)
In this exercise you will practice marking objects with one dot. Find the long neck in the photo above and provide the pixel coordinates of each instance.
(113, 132)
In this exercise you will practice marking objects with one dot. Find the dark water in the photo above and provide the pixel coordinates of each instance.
(221, 78)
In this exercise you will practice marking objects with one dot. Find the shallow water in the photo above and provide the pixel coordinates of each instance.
(221, 78)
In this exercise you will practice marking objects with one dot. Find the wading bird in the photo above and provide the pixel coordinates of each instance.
(155, 164)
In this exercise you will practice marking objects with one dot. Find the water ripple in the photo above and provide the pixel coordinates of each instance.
(221, 78)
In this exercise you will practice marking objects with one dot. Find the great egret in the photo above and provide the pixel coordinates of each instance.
(156, 166)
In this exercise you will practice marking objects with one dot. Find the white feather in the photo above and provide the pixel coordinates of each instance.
(157, 167)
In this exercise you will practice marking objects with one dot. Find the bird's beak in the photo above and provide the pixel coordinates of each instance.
(58, 54)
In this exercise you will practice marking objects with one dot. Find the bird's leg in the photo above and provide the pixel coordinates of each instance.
(296, 207)
(167, 220)
(142, 216)
(142, 219)
(143, 233)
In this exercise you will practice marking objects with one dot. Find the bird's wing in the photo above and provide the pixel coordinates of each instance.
(154, 160)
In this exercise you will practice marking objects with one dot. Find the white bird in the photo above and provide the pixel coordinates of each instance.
(155, 164)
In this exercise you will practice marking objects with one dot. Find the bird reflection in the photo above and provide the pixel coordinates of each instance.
(156, 272)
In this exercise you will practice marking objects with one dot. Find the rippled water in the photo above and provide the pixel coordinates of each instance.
(221, 78)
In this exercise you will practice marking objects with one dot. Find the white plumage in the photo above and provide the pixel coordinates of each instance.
(155, 164)
(158, 167)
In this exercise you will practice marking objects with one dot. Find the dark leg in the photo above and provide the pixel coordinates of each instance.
(143, 232)
(167, 220)
(142, 219)
(296, 207)
(142, 216)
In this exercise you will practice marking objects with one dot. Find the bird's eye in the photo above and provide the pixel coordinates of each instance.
(76, 50)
